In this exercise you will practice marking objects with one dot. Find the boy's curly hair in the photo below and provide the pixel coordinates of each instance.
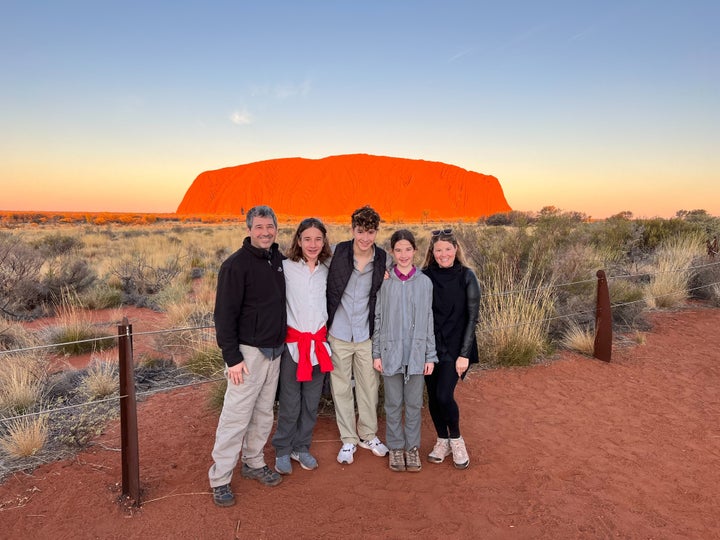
(366, 217)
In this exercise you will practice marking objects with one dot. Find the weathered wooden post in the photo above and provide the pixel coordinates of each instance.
(603, 320)
(128, 415)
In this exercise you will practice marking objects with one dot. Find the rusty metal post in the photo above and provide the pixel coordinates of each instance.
(603, 320)
(128, 415)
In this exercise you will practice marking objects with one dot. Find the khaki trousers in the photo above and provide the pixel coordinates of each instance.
(350, 358)
(246, 419)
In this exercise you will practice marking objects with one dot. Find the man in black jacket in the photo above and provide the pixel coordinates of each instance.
(355, 276)
(250, 324)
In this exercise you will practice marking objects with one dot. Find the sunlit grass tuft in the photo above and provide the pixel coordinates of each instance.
(101, 378)
(513, 317)
(579, 339)
(25, 436)
(672, 274)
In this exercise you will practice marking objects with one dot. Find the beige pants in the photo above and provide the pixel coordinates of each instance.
(246, 419)
(350, 359)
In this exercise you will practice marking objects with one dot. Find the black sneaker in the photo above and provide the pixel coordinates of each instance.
(223, 495)
(263, 475)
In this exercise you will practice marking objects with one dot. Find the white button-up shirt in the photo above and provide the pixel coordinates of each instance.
(305, 291)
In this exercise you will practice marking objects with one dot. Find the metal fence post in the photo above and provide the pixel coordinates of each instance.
(128, 415)
(603, 320)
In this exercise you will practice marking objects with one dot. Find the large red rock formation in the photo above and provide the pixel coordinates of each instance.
(332, 187)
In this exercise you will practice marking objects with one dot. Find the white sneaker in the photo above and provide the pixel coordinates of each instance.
(377, 447)
(345, 455)
(440, 451)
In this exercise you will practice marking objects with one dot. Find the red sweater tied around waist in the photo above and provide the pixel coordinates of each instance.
(303, 339)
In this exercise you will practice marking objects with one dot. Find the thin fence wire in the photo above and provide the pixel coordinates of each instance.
(206, 327)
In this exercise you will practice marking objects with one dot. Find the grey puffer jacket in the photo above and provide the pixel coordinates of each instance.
(415, 297)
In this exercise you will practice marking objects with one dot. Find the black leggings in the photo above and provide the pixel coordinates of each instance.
(441, 400)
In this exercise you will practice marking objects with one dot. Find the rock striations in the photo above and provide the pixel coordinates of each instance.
(332, 187)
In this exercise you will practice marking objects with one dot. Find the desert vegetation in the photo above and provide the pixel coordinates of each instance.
(537, 273)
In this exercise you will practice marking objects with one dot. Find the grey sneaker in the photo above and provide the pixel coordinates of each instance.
(459, 453)
(440, 451)
(223, 495)
(283, 464)
(262, 474)
(412, 460)
(397, 460)
(305, 459)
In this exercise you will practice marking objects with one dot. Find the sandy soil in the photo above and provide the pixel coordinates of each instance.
(576, 448)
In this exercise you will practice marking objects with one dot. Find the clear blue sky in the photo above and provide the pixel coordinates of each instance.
(597, 107)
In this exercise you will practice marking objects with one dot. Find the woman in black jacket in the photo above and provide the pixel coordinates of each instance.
(456, 302)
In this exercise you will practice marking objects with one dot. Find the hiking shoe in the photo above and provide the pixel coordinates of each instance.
(397, 460)
(262, 474)
(283, 465)
(459, 453)
(440, 451)
(377, 447)
(412, 460)
(345, 455)
(223, 495)
(305, 459)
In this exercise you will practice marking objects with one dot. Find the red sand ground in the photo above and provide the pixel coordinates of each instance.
(573, 449)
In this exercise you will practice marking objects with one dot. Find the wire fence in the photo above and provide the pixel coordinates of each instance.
(128, 333)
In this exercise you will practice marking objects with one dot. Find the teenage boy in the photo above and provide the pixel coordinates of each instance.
(356, 272)
(250, 324)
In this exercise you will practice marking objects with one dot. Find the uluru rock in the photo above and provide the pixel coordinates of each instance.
(332, 187)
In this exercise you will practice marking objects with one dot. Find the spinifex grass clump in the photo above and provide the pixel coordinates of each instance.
(75, 334)
(101, 378)
(25, 436)
(22, 381)
(205, 360)
(513, 317)
(577, 338)
(672, 272)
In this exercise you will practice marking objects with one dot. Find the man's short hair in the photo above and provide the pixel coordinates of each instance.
(261, 211)
(365, 217)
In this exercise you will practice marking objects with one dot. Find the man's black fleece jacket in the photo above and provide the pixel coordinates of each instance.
(250, 301)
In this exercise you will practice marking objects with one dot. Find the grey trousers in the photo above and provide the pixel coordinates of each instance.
(297, 412)
(246, 418)
(397, 393)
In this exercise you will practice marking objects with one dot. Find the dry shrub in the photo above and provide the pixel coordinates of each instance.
(577, 338)
(25, 436)
(14, 336)
(627, 302)
(705, 283)
(513, 317)
(672, 273)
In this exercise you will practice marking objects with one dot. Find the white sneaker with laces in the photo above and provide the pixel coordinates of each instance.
(376, 445)
(345, 455)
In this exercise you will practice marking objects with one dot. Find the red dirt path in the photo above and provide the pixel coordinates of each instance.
(573, 449)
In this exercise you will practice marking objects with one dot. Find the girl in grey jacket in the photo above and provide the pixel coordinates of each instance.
(403, 346)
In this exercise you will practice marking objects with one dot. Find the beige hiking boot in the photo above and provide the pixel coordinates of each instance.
(397, 460)
(412, 460)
